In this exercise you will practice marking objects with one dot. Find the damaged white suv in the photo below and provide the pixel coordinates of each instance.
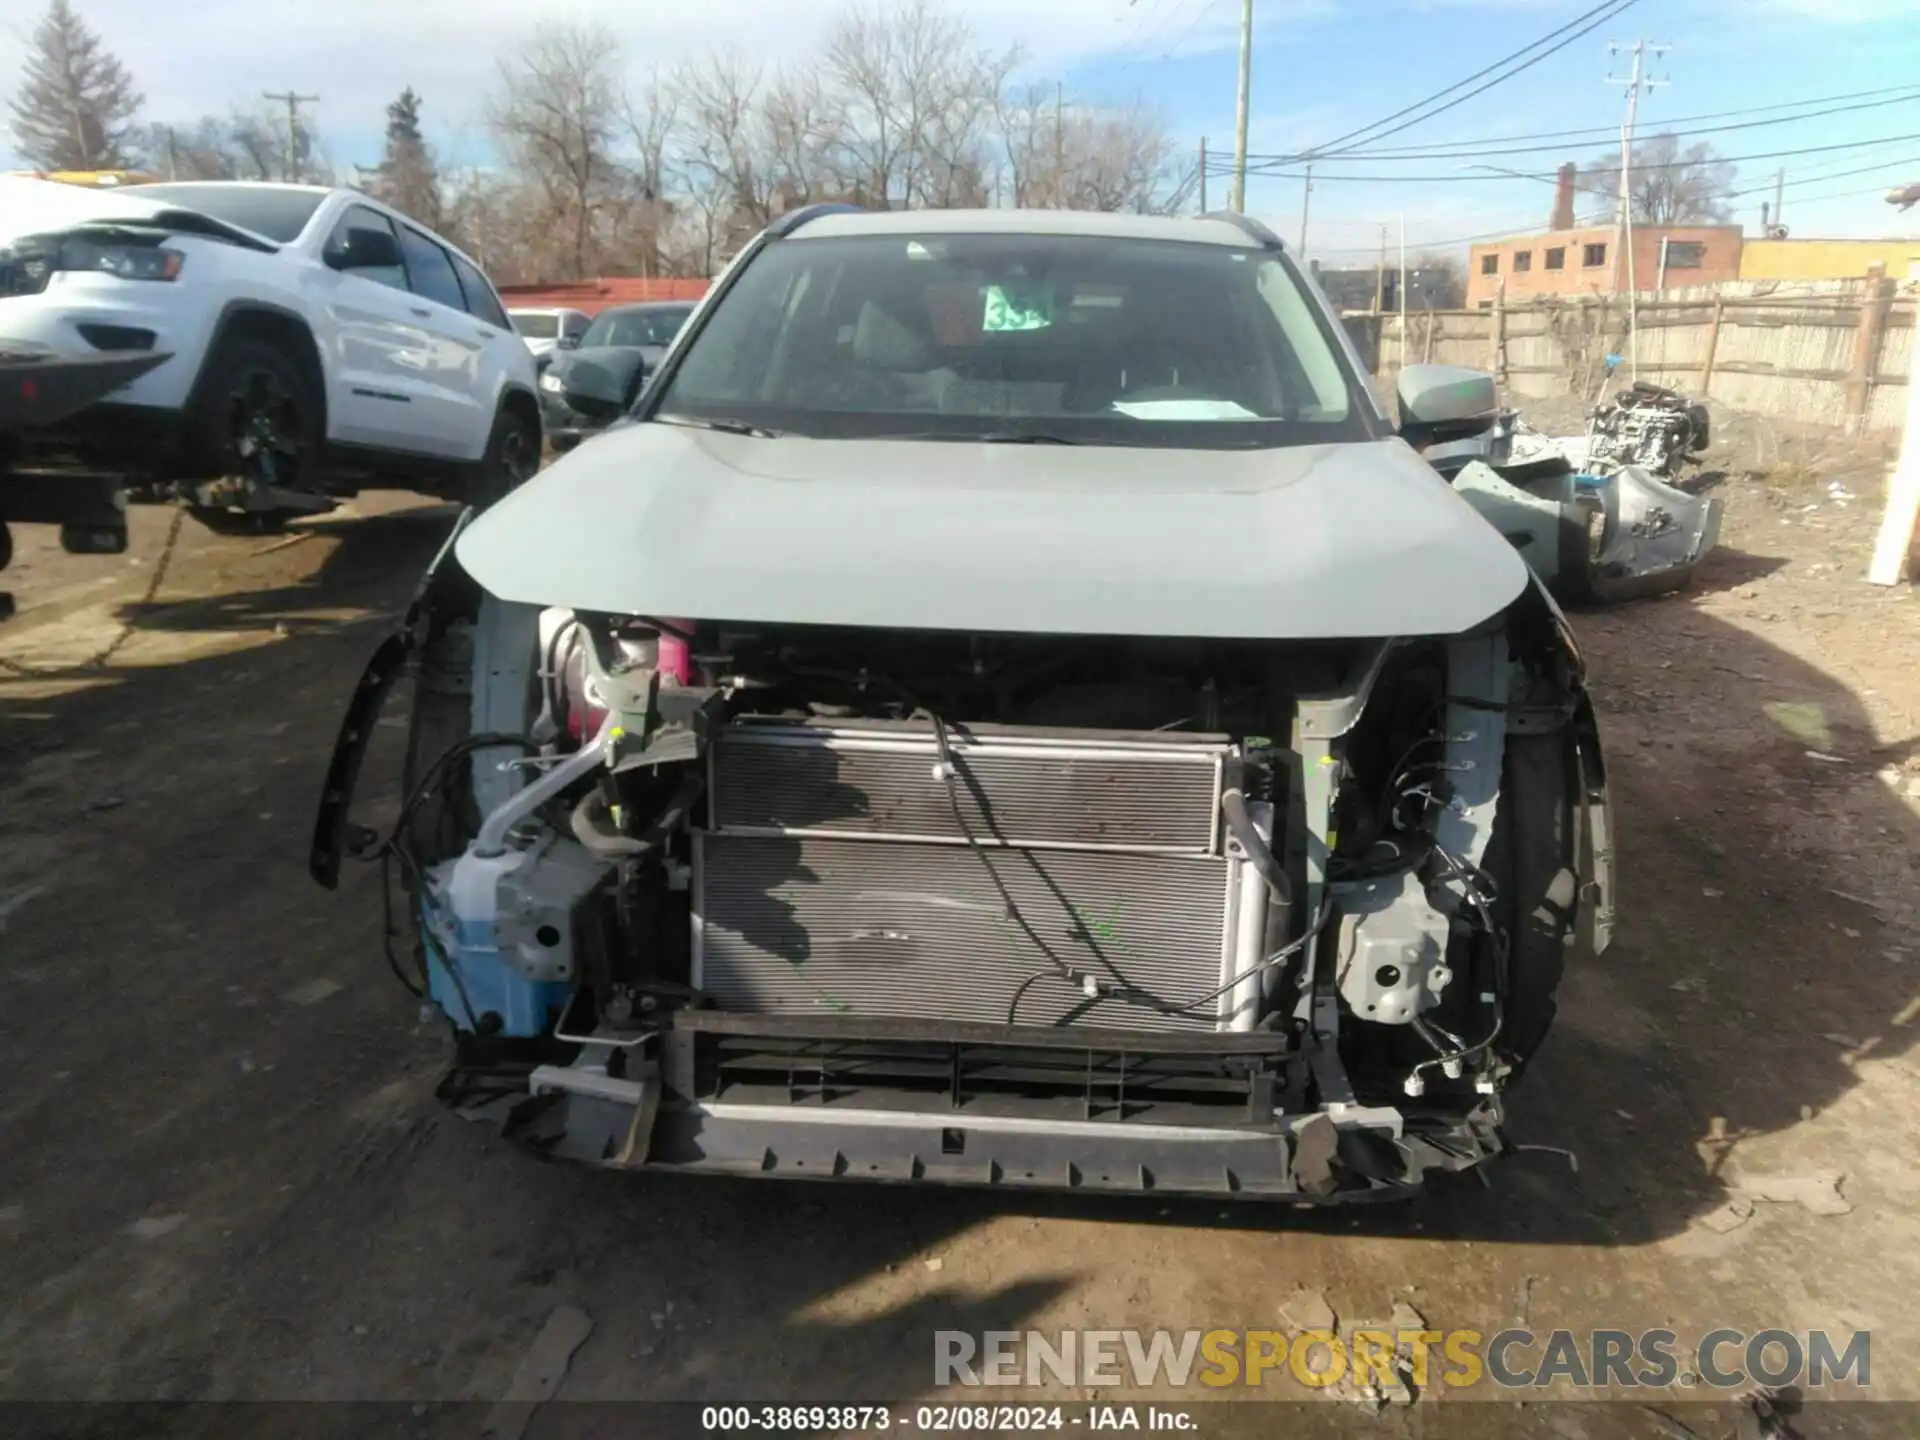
(1006, 708)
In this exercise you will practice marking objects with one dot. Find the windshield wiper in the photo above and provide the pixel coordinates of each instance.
(991, 437)
(725, 427)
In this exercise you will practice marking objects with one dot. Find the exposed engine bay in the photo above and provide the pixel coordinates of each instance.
(1226, 916)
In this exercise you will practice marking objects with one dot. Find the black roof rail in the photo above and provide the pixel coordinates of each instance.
(1247, 223)
(784, 225)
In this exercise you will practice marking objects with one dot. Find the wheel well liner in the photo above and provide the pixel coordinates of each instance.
(518, 400)
(259, 320)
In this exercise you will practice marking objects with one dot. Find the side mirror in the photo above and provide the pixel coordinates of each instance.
(567, 342)
(594, 391)
(1439, 403)
(366, 250)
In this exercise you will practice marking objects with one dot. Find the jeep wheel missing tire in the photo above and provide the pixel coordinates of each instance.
(255, 432)
(512, 458)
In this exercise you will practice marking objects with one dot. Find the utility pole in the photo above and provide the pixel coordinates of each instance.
(1239, 201)
(293, 103)
(1634, 83)
(173, 155)
(1203, 174)
(1059, 142)
(1380, 275)
(1779, 186)
(1306, 199)
(1403, 288)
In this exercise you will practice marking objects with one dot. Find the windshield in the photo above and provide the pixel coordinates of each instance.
(279, 215)
(534, 325)
(636, 327)
(1089, 339)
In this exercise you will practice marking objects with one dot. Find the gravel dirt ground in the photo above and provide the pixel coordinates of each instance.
(223, 1175)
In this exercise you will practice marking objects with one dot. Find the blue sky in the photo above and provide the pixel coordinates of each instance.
(1320, 67)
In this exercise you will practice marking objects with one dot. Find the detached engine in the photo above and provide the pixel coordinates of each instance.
(1648, 426)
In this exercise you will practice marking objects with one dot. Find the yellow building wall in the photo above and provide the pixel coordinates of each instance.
(1827, 259)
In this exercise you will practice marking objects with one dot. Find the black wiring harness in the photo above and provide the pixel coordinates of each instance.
(395, 847)
(1092, 986)
(1477, 889)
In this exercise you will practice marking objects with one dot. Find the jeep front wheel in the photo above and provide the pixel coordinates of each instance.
(512, 458)
(253, 436)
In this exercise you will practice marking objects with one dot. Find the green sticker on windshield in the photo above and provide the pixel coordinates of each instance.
(1027, 308)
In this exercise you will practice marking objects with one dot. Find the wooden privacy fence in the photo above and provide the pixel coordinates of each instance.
(1826, 352)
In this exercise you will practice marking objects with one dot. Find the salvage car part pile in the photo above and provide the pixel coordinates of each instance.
(1593, 525)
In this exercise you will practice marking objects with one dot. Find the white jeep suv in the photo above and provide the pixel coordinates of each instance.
(317, 342)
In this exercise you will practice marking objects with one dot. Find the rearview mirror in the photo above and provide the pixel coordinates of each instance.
(366, 250)
(1444, 402)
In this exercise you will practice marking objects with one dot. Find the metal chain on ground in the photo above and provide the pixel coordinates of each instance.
(100, 657)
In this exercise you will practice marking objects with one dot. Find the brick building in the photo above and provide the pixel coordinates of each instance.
(1570, 259)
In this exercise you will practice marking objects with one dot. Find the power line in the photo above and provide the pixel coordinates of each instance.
(1817, 179)
(1580, 25)
(1603, 131)
(1151, 19)
(1270, 173)
(1521, 227)
(1207, 8)
(1849, 194)
(1596, 136)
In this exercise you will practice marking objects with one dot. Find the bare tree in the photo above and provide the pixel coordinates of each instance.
(256, 144)
(645, 212)
(1117, 160)
(76, 106)
(725, 160)
(1669, 186)
(556, 116)
(202, 151)
(242, 146)
(900, 108)
(1080, 159)
(913, 93)
(483, 213)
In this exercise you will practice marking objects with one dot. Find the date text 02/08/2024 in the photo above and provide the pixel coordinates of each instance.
(939, 1419)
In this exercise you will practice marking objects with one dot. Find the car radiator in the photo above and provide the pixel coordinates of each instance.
(834, 879)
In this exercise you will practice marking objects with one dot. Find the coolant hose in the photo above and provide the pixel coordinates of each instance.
(1233, 808)
(593, 827)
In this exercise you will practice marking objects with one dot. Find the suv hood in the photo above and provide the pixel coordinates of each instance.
(37, 207)
(1349, 541)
